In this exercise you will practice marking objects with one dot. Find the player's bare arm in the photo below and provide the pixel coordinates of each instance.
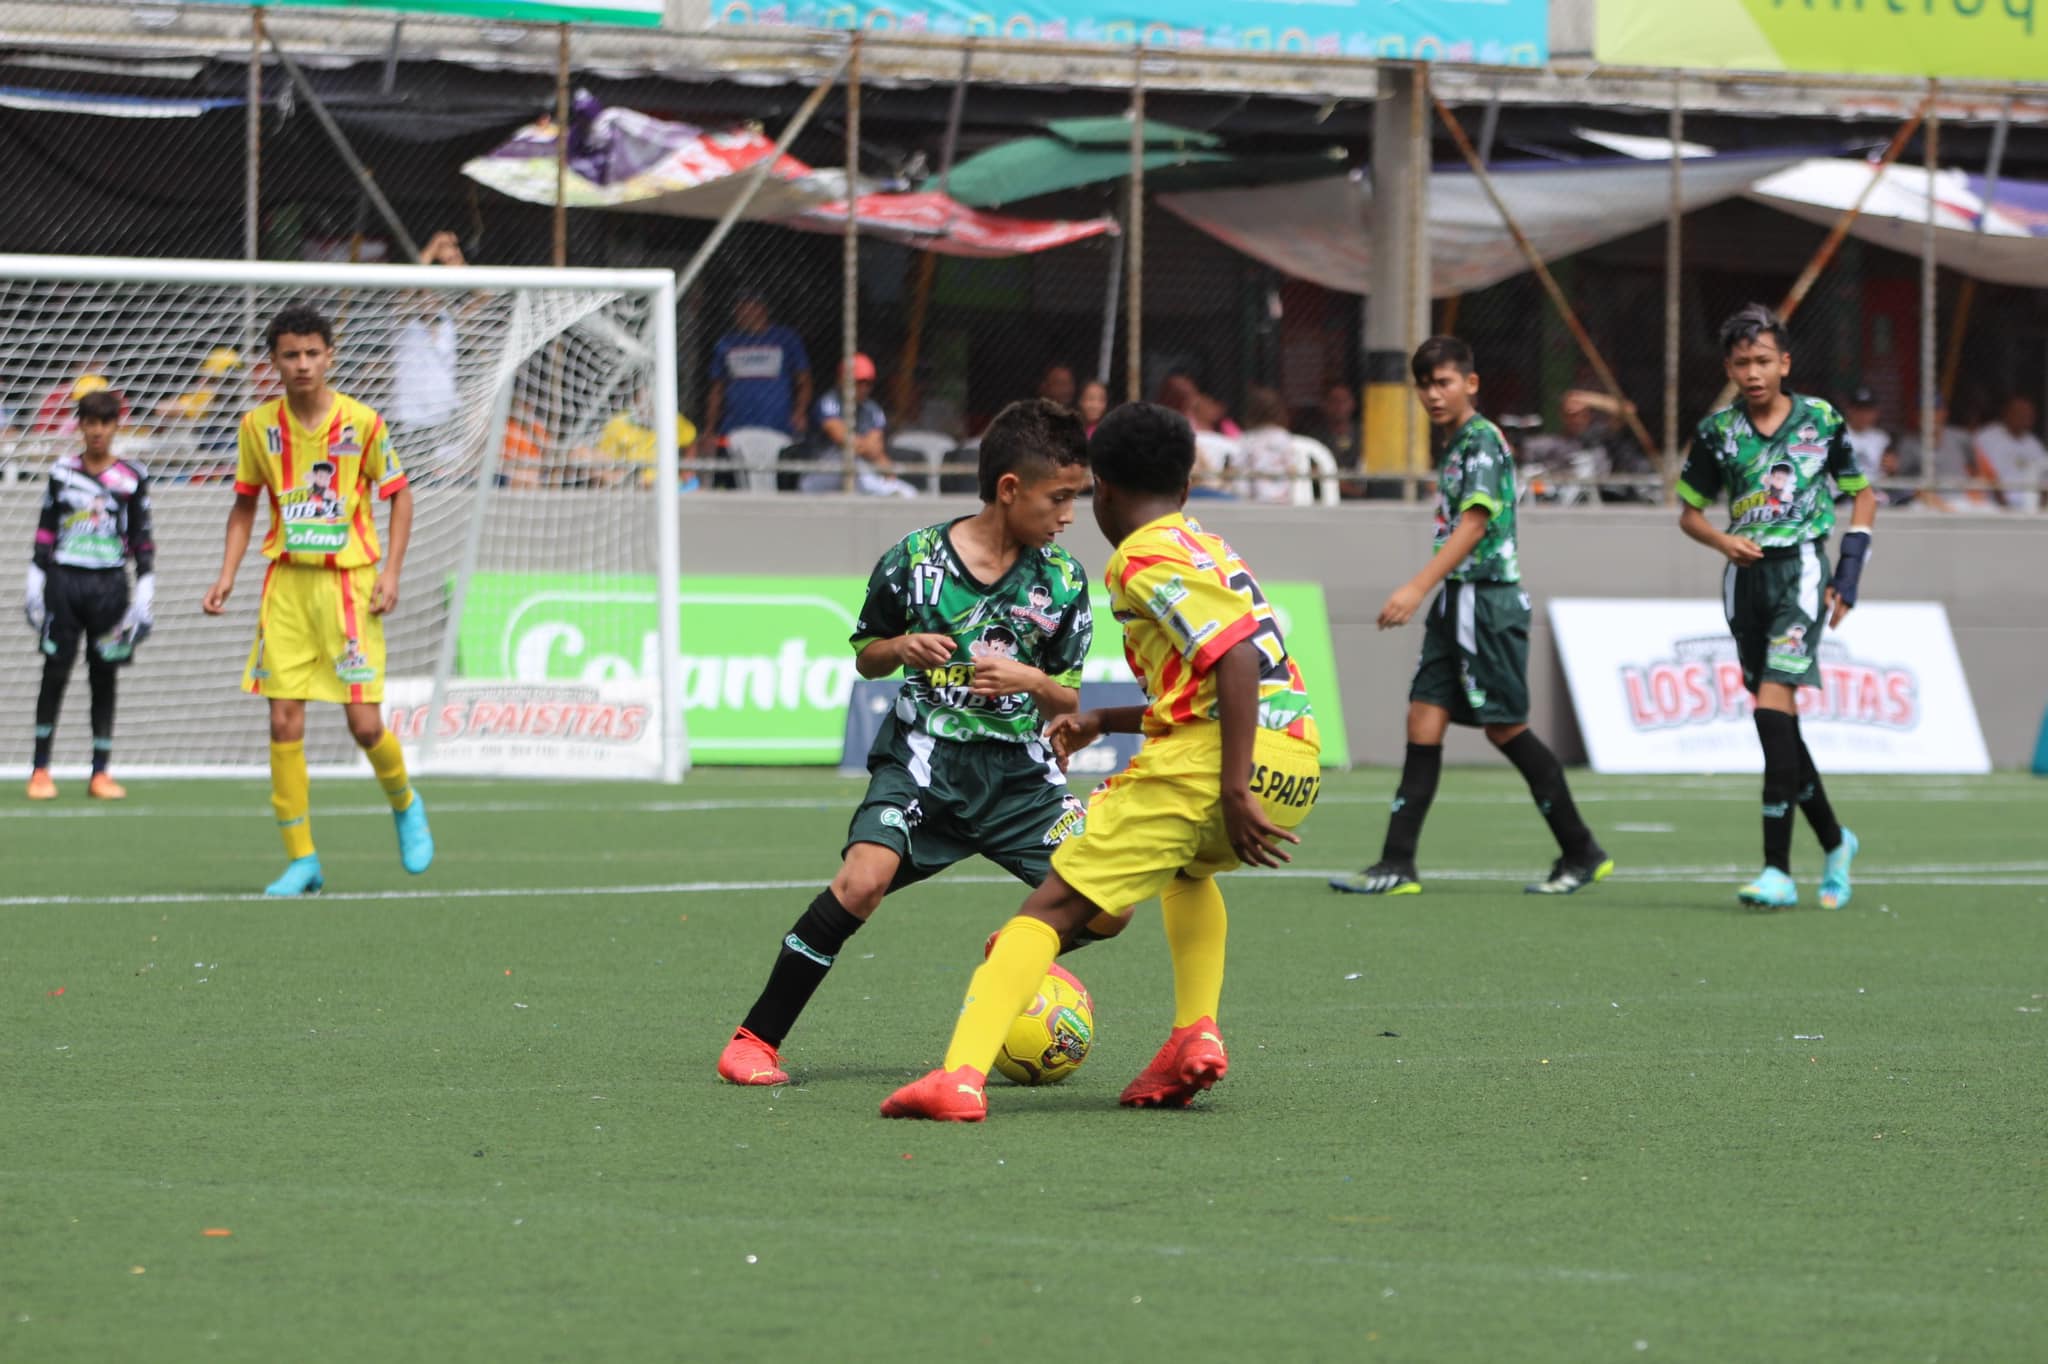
(1009, 677)
(384, 597)
(241, 523)
(1737, 550)
(1254, 836)
(881, 657)
(1409, 596)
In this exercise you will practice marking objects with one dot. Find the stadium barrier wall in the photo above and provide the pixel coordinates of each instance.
(1992, 575)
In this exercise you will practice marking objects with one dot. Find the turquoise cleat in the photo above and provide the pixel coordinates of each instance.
(302, 877)
(1772, 889)
(415, 840)
(1834, 878)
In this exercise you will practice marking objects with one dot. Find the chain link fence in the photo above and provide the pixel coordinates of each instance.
(299, 134)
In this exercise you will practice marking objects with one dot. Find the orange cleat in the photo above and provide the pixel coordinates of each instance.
(104, 787)
(41, 786)
(943, 1096)
(747, 1060)
(1192, 1060)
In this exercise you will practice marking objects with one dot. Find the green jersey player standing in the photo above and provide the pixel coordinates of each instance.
(1475, 642)
(988, 620)
(1773, 452)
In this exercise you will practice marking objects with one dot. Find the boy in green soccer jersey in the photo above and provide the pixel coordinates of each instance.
(988, 619)
(1475, 643)
(1773, 451)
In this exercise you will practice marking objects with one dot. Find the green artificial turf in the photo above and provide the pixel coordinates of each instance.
(473, 1116)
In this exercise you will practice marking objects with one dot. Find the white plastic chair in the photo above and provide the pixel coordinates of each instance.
(1315, 473)
(755, 449)
(931, 447)
(1219, 463)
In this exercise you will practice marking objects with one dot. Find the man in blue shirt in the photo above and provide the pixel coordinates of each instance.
(874, 473)
(760, 375)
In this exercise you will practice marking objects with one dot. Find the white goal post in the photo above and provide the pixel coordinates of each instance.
(523, 405)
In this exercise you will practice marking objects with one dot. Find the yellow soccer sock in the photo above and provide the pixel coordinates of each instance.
(1196, 925)
(999, 991)
(291, 796)
(387, 760)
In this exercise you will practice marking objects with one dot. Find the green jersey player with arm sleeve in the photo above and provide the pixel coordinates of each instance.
(1773, 452)
(987, 619)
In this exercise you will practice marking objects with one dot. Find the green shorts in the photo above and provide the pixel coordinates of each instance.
(934, 802)
(1475, 654)
(1776, 609)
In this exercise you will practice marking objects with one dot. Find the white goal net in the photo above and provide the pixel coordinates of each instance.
(536, 631)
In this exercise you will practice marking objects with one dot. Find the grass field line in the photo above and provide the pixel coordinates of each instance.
(1928, 874)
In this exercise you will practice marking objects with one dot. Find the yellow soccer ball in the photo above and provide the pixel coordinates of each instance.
(1051, 1038)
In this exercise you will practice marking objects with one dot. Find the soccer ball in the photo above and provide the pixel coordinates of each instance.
(1050, 1039)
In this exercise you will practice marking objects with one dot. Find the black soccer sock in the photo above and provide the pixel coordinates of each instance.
(1813, 798)
(1553, 795)
(1419, 773)
(807, 953)
(50, 701)
(1780, 735)
(101, 676)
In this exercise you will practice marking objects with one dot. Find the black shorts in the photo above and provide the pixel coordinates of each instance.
(83, 604)
(1475, 654)
(1776, 609)
(934, 802)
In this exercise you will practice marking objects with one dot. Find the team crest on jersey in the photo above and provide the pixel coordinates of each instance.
(1072, 823)
(345, 444)
(1038, 610)
(353, 665)
(1808, 442)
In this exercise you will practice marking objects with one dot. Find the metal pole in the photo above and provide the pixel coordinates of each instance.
(561, 256)
(849, 264)
(1134, 244)
(1549, 281)
(252, 144)
(1929, 279)
(1414, 285)
(364, 179)
(385, 86)
(1107, 352)
(954, 112)
(668, 543)
(1674, 262)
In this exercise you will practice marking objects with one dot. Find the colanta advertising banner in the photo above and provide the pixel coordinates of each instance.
(1657, 688)
(1495, 32)
(767, 674)
(1972, 39)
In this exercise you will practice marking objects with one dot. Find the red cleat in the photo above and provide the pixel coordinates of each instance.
(942, 1096)
(1192, 1060)
(747, 1060)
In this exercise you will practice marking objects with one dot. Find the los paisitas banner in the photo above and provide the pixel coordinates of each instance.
(767, 674)
(1969, 39)
(1493, 32)
(1657, 688)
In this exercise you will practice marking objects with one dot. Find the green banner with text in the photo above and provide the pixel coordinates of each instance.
(1968, 39)
(766, 668)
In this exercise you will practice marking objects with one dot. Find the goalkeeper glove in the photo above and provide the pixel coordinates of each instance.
(32, 599)
(135, 626)
(1849, 567)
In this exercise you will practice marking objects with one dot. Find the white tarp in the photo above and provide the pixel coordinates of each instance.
(1657, 688)
(2010, 248)
(1321, 230)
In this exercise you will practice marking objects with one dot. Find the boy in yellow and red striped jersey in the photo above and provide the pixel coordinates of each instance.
(1231, 765)
(322, 457)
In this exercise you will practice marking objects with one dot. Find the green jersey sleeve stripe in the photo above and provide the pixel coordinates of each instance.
(1480, 499)
(1068, 679)
(1852, 483)
(1691, 497)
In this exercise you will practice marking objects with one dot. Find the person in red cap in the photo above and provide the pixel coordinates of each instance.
(874, 473)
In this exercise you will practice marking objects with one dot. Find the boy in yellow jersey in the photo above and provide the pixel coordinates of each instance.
(321, 456)
(1231, 764)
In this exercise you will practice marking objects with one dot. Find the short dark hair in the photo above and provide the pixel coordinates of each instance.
(1030, 439)
(1144, 448)
(320, 464)
(298, 319)
(1437, 352)
(101, 405)
(1753, 323)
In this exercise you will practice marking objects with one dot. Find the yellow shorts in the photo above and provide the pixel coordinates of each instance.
(1163, 815)
(315, 637)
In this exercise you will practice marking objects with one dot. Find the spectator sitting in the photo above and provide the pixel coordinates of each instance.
(627, 443)
(1210, 415)
(526, 442)
(874, 474)
(199, 408)
(1335, 424)
(760, 376)
(1057, 384)
(2011, 457)
(1268, 449)
(426, 404)
(1953, 458)
(1867, 439)
(1094, 402)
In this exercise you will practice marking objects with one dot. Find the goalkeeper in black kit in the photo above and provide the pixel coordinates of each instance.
(95, 518)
